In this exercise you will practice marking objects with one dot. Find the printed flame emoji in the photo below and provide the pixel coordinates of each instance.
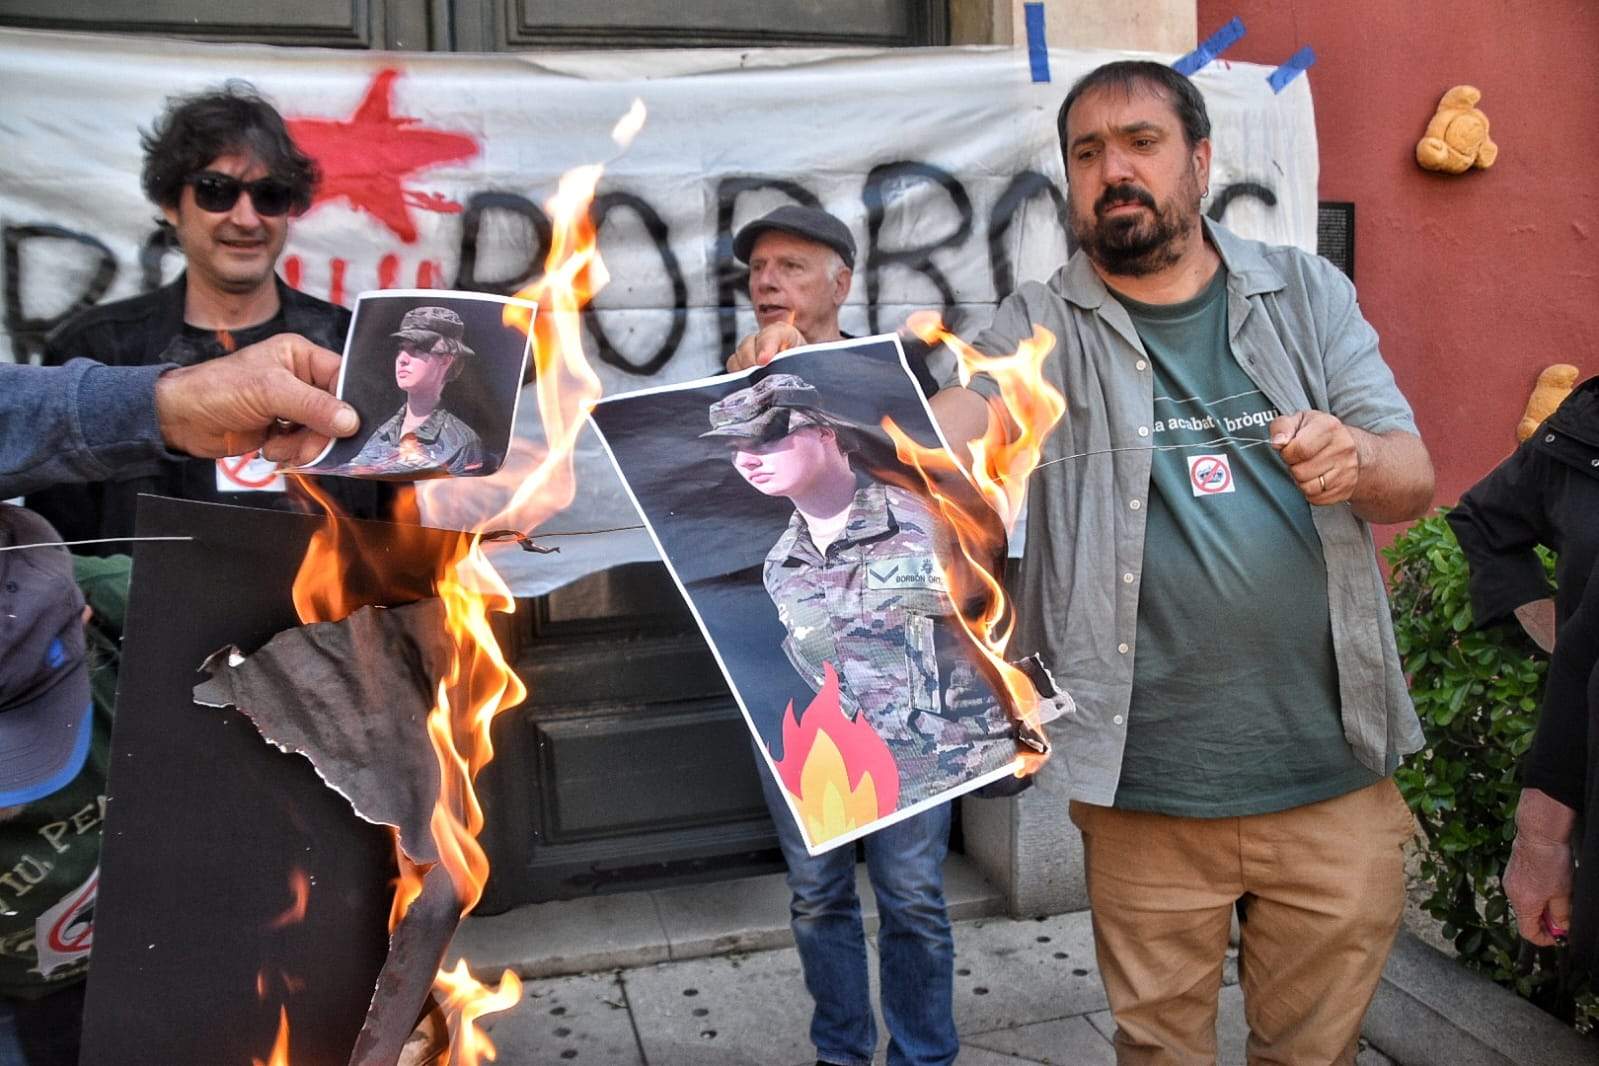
(839, 771)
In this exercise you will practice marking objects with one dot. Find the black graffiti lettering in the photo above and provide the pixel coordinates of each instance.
(918, 258)
(731, 277)
(1253, 190)
(1022, 188)
(656, 227)
(516, 215)
(160, 242)
(29, 332)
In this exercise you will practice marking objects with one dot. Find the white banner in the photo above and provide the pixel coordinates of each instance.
(943, 162)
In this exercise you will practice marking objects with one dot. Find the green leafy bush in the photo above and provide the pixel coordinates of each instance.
(1477, 692)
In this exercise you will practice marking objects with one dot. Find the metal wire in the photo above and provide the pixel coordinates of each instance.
(1242, 442)
(75, 543)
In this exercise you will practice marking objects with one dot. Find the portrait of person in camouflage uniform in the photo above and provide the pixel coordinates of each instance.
(857, 583)
(422, 437)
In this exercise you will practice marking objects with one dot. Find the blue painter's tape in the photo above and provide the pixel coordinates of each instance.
(1297, 64)
(1210, 48)
(1037, 47)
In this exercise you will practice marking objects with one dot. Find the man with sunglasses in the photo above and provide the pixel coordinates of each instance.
(227, 178)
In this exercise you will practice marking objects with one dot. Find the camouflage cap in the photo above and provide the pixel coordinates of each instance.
(435, 330)
(765, 410)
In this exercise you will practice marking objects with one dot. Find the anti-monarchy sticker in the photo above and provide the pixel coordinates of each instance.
(1210, 475)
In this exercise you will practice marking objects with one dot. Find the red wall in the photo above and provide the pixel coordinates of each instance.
(1478, 281)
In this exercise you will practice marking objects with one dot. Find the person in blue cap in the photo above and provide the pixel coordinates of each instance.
(60, 626)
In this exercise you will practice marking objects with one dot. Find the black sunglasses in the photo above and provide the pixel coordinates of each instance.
(216, 192)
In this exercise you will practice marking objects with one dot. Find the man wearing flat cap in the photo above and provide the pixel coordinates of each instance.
(423, 438)
(855, 539)
(801, 261)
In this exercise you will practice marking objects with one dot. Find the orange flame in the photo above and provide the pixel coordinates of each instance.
(407, 882)
(479, 683)
(1002, 459)
(538, 482)
(840, 771)
(300, 888)
(280, 1047)
(463, 994)
(321, 593)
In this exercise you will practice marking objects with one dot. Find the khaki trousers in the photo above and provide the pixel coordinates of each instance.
(1322, 887)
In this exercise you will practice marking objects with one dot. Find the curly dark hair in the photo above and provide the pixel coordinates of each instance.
(1128, 74)
(196, 129)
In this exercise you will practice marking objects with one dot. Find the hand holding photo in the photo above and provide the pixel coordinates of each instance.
(436, 377)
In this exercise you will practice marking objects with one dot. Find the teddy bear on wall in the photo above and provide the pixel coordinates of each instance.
(1457, 136)
(1554, 385)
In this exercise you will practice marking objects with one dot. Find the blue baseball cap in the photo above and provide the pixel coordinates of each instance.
(46, 710)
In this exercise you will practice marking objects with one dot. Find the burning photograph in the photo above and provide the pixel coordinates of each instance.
(822, 577)
(436, 377)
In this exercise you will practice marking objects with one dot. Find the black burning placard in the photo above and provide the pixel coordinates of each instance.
(209, 826)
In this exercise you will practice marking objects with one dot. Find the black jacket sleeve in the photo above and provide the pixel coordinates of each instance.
(1498, 522)
(1558, 761)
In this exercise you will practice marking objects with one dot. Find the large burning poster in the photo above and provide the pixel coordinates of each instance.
(942, 161)
(823, 577)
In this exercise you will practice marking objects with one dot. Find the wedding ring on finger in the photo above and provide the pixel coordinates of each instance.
(1323, 479)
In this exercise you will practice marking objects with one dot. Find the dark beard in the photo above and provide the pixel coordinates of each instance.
(1134, 246)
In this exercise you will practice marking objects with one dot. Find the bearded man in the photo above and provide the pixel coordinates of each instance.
(1210, 593)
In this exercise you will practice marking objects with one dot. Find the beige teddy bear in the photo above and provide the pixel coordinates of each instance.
(1554, 385)
(1457, 136)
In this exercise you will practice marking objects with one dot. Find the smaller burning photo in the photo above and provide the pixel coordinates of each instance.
(824, 577)
(435, 377)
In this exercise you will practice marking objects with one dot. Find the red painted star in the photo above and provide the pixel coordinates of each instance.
(365, 157)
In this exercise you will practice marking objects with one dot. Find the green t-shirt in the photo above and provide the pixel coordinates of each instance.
(1235, 704)
(50, 850)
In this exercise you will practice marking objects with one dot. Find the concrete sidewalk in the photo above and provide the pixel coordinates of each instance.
(709, 985)
(706, 975)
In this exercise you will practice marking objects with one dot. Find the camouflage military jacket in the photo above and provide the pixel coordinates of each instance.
(876, 607)
(442, 442)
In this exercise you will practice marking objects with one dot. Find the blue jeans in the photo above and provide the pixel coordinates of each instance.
(10, 1044)
(44, 1031)
(915, 949)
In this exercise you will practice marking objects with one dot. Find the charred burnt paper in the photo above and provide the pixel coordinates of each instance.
(353, 698)
(237, 879)
(435, 377)
(824, 578)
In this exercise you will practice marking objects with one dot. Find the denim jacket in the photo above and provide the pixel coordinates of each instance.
(74, 423)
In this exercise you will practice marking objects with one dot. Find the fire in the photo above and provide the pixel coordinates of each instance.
(840, 771)
(535, 484)
(407, 883)
(479, 683)
(1001, 462)
(280, 1046)
(464, 995)
(300, 889)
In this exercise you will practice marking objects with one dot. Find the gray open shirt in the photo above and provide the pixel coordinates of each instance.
(1297, 332)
